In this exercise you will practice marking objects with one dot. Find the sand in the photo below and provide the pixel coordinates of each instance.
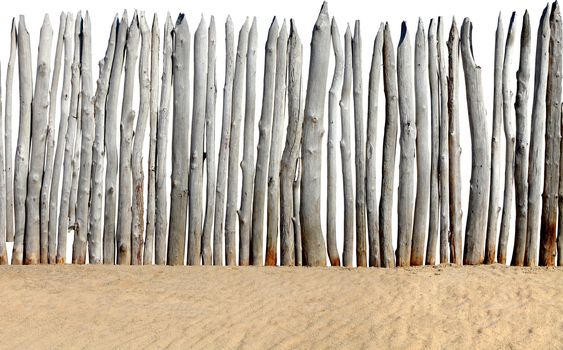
(100, 307)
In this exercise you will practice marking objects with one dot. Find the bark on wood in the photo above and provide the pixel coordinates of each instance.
(234, 144)
(195, 186)
(522, 139)
(481, 161)
(97, 186)
(110, 140)
(88, 128)
(124, 219)
(314, 250)
(360, 152)
(211, 167)
(180, 144)
(247, 165)
(39, 115)
(163, 121)
(148, 251)
(434, 213)
(420, 224)
(138, 204)
(297, 207)
(552, 143)
(408, 148)
(70, 138)
(510, 134)
(454, 147)
(291, 151)
(263, 150)
(9, 160)
(273, 213)
(494, 196)
(333, 96)
(549, 249)
(50, 146)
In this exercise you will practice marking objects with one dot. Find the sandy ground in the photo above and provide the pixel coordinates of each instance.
(197, 307)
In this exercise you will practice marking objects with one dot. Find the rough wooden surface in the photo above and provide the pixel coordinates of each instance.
(8, 116)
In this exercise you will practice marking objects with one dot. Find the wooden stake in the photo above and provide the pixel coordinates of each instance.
(297, 205)
(3, 251)
(9, 160)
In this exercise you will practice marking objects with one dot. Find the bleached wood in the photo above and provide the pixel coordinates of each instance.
(297, 205)
(75, 164)
(8, 116)
(3, 251)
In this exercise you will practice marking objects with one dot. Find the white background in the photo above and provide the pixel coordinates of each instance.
(371, 13)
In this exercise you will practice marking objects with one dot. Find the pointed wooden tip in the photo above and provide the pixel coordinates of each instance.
(155, 21)
(202, 24)
(212, 21)
(324, 8)
(168, 24)
(274, 25)
(46, 21)
(180, 18)
(283, 27)
(404, 33)
(348, 30)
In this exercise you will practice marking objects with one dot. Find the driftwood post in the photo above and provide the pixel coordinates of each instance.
(75, 165)
(148, 250)
(408, 148)
(195, 186)
(276, 149)
(480, 151)
(163, 121)
(138, 204)
(123, 234)
(434, 213)
(297, 205)
(70, 138)
(371, 150)
(346, 153)
(9, 160)
(552, 143)
(494, 195)
(97, 187)
(389, 150)
(314, 250)
(247, 164)
(290, 157)
(360, 153)
(454, 147)
(110, 142)
(210, 102)
(420, 224)
(510, 134)
(3, 251)
(219, 217)
(522, 139)
(263, 150)
(333, 96)
(39, 115)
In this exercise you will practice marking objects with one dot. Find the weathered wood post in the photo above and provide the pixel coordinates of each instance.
(407, 142)
(219, 217)
(39, 116)
(537, 139)
(211, 166)
(180, 142)
(510, 134)
(290, 157)
(124, 210)
(49, 147)
(3, 251)
(522, 139)
(494, 195)
(247, 164)
(148, 250)
(70, 138)
(346, 153)
(454, 147)
(314, 250)
(552, 143)
(297, 204)
(360, 151)
(421, 84)
(389, 151)
(195, 186)
(371, 150)
(234, 145)
(333, 96)
(75, 165)
(110, 142)
(163, 122)
(481, 161)
(9, 160)
(263, 150)
(434, 213)
(273, 209)
(97, 186)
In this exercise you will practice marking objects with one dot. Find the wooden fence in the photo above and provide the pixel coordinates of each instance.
(85, 177)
